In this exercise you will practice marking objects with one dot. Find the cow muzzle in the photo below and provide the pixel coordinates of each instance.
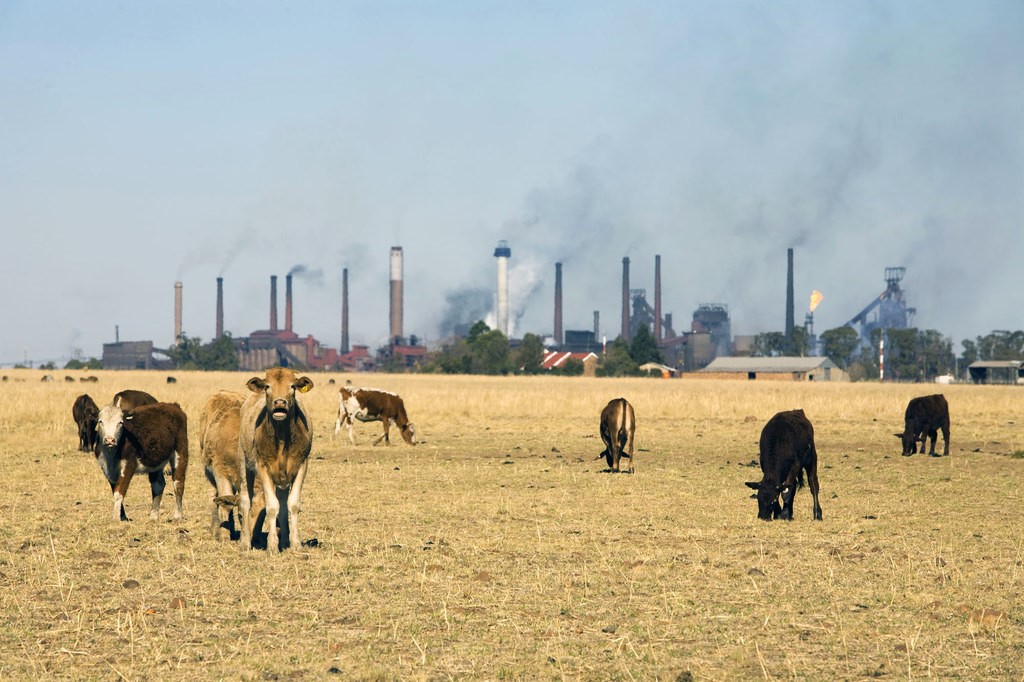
(279, 411)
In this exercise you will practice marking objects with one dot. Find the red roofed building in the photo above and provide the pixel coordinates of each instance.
(556, 359)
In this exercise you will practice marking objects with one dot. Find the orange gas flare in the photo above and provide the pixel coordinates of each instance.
(816, 298)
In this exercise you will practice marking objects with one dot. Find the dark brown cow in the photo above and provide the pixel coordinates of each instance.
(274, 442)
(787, 450)
(618, 423)
(924, 417)
(143, 440)
(374, 405)
(85, 412)
(130, 398)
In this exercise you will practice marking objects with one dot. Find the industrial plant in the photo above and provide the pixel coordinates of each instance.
(708, 337)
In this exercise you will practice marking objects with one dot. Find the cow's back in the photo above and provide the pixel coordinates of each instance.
(130, 399)
(927, 411)
(84, 404)
(784, 439)
(155, 432)
(219, 426)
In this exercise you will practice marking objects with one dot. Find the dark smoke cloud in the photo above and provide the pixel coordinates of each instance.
(314, 276)
(464, 307)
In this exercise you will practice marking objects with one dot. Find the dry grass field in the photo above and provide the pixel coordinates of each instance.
(497, 549)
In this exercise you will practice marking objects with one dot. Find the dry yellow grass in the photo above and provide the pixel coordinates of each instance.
(498, 550)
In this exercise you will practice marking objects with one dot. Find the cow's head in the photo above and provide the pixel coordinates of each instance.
(409, 433)
(909, 441)
(110, 426)
(768, 507)
(279, 387)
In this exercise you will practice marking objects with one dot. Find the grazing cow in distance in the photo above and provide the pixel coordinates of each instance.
(47, 377)
(130, 398)
(924, 418)
(68, 379)
(143, 440)
(219, 426)
(374, 405)
(274, 441)
(618, 422)
(91, 379)
(787, 450)
(85, 412)
(172, 380)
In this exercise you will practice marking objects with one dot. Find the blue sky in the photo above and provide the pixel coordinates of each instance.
(143, 143)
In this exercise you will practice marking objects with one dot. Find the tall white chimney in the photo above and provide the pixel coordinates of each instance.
(396, 293)
(502, 253)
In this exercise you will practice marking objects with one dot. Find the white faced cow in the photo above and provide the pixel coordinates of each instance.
(275, 438)
(374, 405)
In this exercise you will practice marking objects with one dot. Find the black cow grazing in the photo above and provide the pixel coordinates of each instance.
(924, 417)
(85, 411)
(172, 380)
(618, 423)
(787, 450)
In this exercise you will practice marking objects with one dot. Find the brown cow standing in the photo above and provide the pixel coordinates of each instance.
(143, 440)
(924, 417)
(374, 405)
(618, 423)
(85, 412)
(219, 426)
(274, 441)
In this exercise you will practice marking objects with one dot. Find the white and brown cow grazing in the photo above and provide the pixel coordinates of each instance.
(274, 442)
(618, 423)
(374, 405)
(143, 440)
(85, 412)
(130, 398)
(219, 425)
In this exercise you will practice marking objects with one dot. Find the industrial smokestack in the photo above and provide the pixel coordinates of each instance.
(625, 298)
(597, 325)
(344, 310)
(288, 302)
(177, 313)
(396, 293)
(657, 299)
(790, 313)
(220, 309)
(558, 304)
(502, 253)
(273, 303)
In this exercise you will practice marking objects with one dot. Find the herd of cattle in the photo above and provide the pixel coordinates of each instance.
(261, 442)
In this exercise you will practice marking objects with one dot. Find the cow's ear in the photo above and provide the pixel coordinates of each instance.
(303, 384)
(898, 435)
(752, 484)
(256, 385)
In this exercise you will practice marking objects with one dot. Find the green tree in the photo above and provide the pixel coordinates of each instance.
(936, 353)
(768, 344)
(970, 352)
(218, 355)
(455, 358)
(77, 363)
(572, 367)
(839, 345)
(902, 351)
(530, 354)
(490, 353)
(476, 330)
(1001, 344)
(643, 348)
(617, 361)
(800, 343)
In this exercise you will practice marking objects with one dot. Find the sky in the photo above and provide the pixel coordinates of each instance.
(146, 143)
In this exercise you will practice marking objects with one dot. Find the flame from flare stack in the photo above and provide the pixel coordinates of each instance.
(816, 298)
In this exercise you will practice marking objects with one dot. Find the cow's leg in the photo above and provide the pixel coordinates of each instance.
(384, 436)
(124, 515)
(629, 449)
(812, 483)
(945, 438)
(933, 435)
(121, 489)
(222, 512)
(348, 425)
(179, 464)
(244, 504)
(156, 486)
(295, 506)
(273, 506)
